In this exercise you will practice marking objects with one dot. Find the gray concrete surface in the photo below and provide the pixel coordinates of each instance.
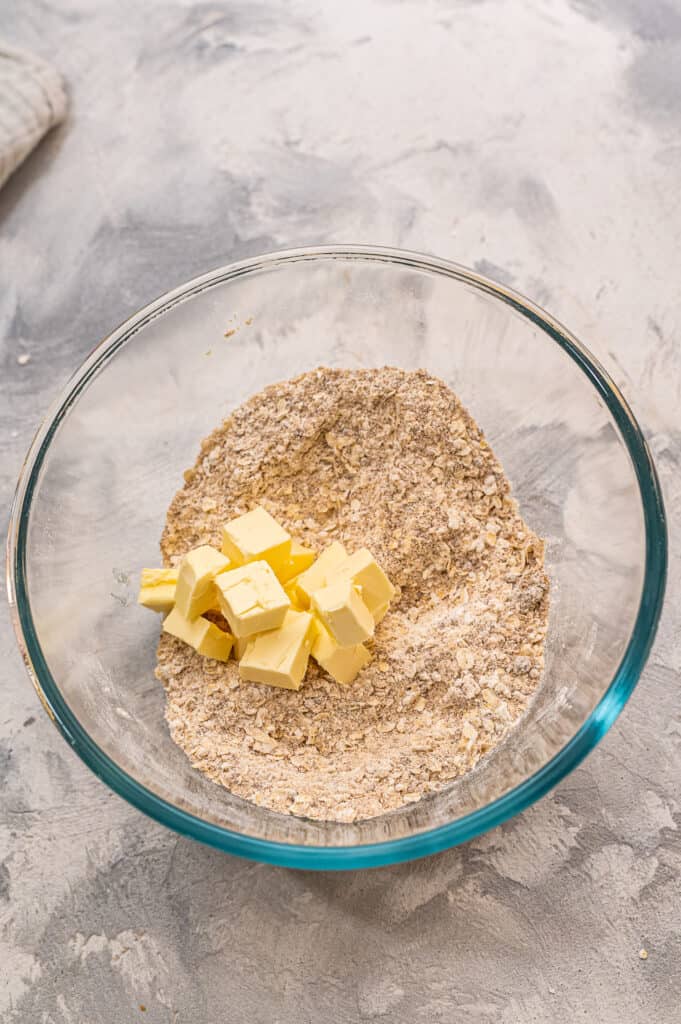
(537, 141)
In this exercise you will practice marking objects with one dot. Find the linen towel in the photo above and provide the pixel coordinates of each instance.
(32, 100)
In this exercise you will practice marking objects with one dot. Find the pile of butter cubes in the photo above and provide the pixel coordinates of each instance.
(282, 603)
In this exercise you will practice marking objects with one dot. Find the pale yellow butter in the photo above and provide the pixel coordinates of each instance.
(291, 591)
(204, 636)
(319, 573)
(195, 591)
(251, 598)
(255, 537)
(300, 559)
(240, 645)
(342, 663)
(376, 589)
(344, 613)
(379, 611)
(157, 589)
(279, 658)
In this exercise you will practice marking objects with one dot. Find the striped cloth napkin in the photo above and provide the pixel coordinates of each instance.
(32, 100)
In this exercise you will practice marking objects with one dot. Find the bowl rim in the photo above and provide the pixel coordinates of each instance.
(407, 847)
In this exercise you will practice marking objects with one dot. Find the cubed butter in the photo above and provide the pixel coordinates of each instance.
(342, 663)
(195, 591)
(279, 658)
(291, 591)
(300, 559)
(376, 589)
(157, 589)
(204, 636)
(379, 611)
(318, 575)
(240, 645)
(256, 537)
(344, 613)
(251, 598)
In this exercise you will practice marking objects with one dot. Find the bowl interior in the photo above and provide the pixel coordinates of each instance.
(113, 457)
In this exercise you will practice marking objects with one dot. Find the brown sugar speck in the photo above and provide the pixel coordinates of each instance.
(386, 459)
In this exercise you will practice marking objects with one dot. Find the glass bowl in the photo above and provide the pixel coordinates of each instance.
(94, 490)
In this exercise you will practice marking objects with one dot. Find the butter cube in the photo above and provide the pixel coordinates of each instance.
(379, 611)
(342, 663)
(317, 576)
(157, 589)
(376, 589)
(251, 598)
(291, 591)
(300, 559)
(240, 645)
(344, 613)
(204, 636)
(280, 657)
(195, 591)
(256, 537)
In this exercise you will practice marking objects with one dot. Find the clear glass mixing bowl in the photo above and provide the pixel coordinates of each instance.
(93, 494)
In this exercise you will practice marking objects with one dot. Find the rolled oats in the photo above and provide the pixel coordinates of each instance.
(390, 460)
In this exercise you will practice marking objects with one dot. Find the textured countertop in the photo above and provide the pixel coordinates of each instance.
(539, 142)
